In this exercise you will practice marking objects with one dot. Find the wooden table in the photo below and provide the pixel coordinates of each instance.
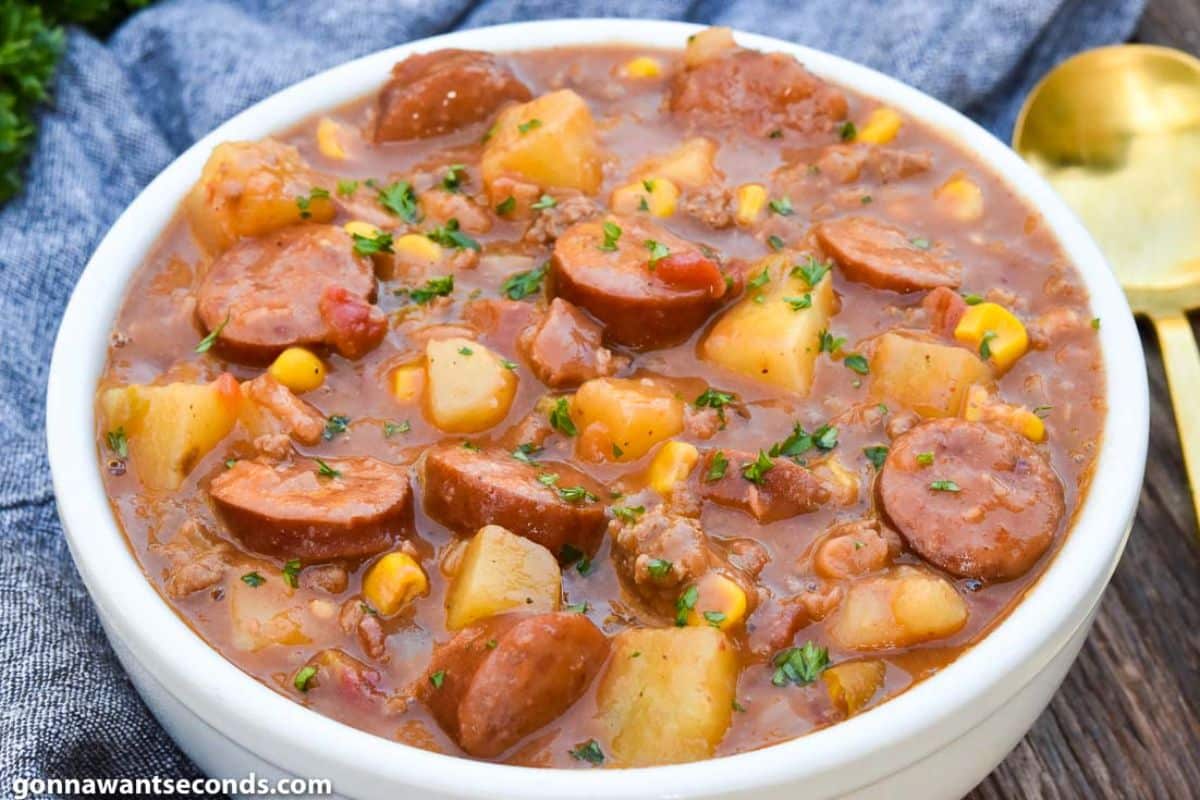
(1126, 722)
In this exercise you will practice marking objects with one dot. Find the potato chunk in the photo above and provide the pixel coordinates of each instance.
(620, 419)
(549, 141)
(775, 341)
(170, 428)
(253, 188)
(499, 572)
(931, 379)
(852, 685)
(691, 164)
(468, 388)
(264, 613)
(667, 696)
(904, 607)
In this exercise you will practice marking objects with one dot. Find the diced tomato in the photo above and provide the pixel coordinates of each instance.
(691, 270)
(355, 325)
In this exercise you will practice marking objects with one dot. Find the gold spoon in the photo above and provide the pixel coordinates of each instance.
(1117, 132)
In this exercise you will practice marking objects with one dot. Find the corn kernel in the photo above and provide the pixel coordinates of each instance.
(642, 67)
(751, 199)
(361, 228)
(961, 198)
(418, 248)
(298, 369)
(881, 126)
(393, 582)
(407, 383)
(993, 331)
(671, 465)
(659, 196)
(720, 602)
(328, 139)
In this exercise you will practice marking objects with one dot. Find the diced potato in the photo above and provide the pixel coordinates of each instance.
(251, 189)
(298, 369)
(500, 571)
(980, 407)
(667, 695)
(904, 607)
(549, 141)
(671, 466)
(775, 341)
(720, 602)
(659, 196)
(169, 428)
(1006, 338)
(852, 685)
(329, 139)
(264, 614)
(467, 387)
(881, 126)
(707, 45)
(961, 198)
(393, 582)
(407, 382)
(691, 164)
(620, 419)
(751, 200)
(642, 67)
(931, 379)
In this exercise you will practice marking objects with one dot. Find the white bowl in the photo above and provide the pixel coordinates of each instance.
(936, 740)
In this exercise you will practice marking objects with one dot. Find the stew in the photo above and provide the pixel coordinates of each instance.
(599, 407)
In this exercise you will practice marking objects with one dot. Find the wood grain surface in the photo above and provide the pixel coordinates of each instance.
(1126, 722)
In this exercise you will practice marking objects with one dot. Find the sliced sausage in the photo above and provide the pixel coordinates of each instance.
(784, 490)
(430, 94)
(350, 507)
(642, 304)
(758, 93)
(885, 257)
(302, 285)
(465, 489)
(983, 504)
(565, 348)
(497, 682)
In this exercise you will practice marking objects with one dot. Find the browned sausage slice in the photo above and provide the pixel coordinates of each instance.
(784, 490)
(351, 507)
(435, 93)
(987, 505)
(643, 303)
(499, 681)
(881, 255)
(299, 286)
(564, 347)
(758, 93)
(466, 489)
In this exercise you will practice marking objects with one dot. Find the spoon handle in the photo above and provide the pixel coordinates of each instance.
(1182, 360)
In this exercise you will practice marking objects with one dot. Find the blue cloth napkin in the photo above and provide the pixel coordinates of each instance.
(126, 107)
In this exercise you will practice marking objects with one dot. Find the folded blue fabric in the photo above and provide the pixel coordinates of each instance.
(124, 108)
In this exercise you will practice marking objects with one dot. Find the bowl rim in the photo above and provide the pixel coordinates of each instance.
(895, 734)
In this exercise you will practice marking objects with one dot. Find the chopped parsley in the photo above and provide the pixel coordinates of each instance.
(511, 366)
(525, 452)
(684, 605)
(782, 206)
(529, 125)
(760, 280)
(799, 303)
(326, 471)
(876, 454)
(847, 132)
(229, 462)
(775, 243)
(304, 677)
(658, 251)
(858, 363)
(972, 299)
(617, 451)
(449, 235)
(370, 245)
(390, 429)
(506, 205)
(584, 568)
(658, 567)
(465, 351)
(304, 201)
(830, 343)
(560, 417)
(334, 425)
(716, 400)
(569, 554)
(920, 242)
(756, 470)
(799, 665)
(945, 486)
(800, 441)
(440, 286)
(291, 570)
(438, 678)
(576, 494)
(628, 513)
(577, 608)
(588, 751)
(253, 580)
(1095, 323)
(924, 459)
(714, 618)
(346, 187)
(523, 284)
(717, 467)
(400, 199)
(985, 344)
(117, 442)
(1042, 411)
(612, 233)
(456, 175)
(544, 202)
(208, 341)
